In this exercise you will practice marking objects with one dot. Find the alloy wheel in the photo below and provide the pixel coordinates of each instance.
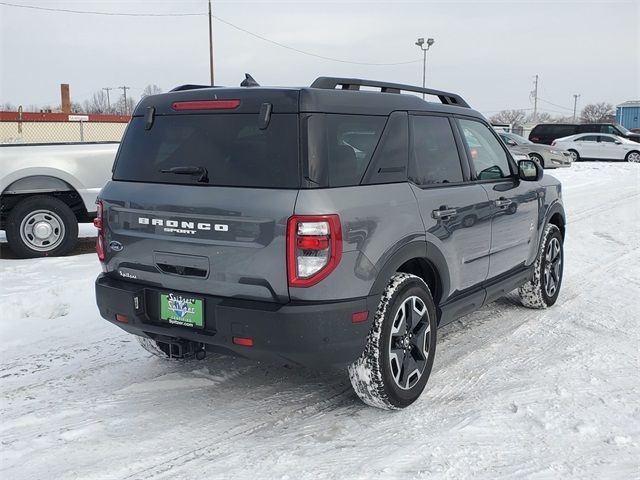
(409, 343)
(553, 267)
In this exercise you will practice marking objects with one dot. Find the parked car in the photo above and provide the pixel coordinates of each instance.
(46, 189)
(548, 132)
(546, 156)
(599, 147)
(245, 221)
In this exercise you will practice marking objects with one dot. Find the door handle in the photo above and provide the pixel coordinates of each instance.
(444, 213)
(503, 202)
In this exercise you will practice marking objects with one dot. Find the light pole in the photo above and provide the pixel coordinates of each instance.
(575, 105)
(421, 43)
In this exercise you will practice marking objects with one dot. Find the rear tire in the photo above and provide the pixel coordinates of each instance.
(396, 363)
(543, 289)
(41, 226)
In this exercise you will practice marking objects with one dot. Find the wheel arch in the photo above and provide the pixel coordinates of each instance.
(556, 216)
(39, 185)
(419, 258)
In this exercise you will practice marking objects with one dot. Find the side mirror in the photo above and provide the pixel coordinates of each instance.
(617, 142)
(529, 170)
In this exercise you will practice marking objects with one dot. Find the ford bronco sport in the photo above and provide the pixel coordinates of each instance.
(324, 225)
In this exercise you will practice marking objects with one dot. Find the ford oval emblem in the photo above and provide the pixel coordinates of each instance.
(115, 246)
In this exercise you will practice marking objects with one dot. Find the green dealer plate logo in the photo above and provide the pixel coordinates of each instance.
(180, 310)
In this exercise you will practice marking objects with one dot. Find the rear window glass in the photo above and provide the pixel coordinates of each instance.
(340, 147)
(232, 147)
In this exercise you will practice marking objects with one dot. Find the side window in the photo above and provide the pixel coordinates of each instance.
(433, 156)
(508, 141)
(339, 147)
(604, 138)
(609, 129)
(487, 155)
(587, 138)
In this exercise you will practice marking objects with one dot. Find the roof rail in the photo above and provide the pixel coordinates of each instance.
(330, 83)
(189, 87)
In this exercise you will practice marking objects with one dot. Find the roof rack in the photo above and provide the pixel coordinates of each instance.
(330, 83)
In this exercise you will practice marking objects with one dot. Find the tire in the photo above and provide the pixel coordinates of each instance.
(377, 376)
(537, 158)
(41, 226)
(633, 157)
(543, 289)
(575, 156)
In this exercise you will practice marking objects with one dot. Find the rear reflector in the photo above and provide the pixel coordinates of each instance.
(360, 316)
(206, 105)
(122, 318)
(245, 342)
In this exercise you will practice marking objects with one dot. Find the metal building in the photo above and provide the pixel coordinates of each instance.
(628, 114)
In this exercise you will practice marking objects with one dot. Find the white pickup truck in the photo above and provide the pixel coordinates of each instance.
(46, 190)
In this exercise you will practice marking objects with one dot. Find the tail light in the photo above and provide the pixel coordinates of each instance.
(314, 248)
(98, 223)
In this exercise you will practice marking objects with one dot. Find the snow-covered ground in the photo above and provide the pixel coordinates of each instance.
(514, 393)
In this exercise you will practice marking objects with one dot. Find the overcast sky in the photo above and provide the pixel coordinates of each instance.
(489, 52)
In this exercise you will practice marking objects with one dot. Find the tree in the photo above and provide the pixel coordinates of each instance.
(513, 117)
(8, 107)
(121, 109)
(541, 117)
(97, 103)
(598, 113)
(151, 90)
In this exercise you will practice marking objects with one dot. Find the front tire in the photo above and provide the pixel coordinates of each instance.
(633, 157)
(543, 289)
(396, 363)
(538, 158)
(575, 156)
(41, 226)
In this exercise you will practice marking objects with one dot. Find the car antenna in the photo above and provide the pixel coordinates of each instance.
(249, 81)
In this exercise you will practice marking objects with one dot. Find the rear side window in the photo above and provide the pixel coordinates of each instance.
(339, 147)
(232, 147)
(587, 138)
(434, 156)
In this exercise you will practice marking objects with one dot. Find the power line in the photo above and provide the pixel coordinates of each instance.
(221, 20)
(110, 14)
(554, 104)
(308, 53)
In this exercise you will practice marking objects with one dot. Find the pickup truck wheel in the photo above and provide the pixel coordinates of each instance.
(41, 226)
(396, 363)
(543, 289)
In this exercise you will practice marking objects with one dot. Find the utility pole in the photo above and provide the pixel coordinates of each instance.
(210, 46)
(534, 94)
(126, 105)
(420, 43)
(575, 105)
(107, 89)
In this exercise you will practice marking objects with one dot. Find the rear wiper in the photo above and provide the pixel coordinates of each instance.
(189, 170)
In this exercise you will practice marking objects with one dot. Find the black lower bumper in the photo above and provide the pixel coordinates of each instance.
(311, 334)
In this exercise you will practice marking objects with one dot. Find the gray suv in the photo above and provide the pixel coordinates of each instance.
(324, 225)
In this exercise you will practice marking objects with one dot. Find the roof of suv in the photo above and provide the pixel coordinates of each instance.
(325, 95)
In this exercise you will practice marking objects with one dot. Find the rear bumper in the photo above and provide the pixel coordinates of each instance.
(310, 334)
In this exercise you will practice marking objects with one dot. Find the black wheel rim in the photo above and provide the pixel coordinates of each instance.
(553, 267)
(409, 342)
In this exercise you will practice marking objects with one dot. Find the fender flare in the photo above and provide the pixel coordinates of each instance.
(415, 248)
(37, 184)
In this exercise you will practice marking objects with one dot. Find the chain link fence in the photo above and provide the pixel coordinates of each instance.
(73, 128)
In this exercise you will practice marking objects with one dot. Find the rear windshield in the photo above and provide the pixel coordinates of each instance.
(232, 147)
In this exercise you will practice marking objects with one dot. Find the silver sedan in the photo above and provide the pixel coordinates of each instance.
(545, 155)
